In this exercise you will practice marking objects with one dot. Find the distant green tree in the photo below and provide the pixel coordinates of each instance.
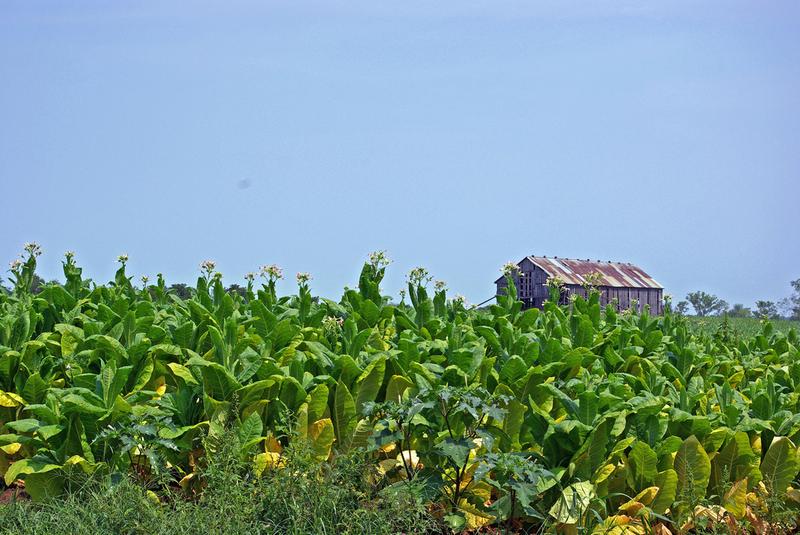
(236, 289)
(706, 304)
(791, 305)
(738, 310)
(37, 284)
(766, 309)
(794, 300)
(181, 290)
(682, 307)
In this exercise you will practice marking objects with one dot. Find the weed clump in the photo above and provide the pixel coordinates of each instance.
(302, 495)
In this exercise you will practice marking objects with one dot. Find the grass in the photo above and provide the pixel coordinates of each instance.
(305, 496)
(744, 327)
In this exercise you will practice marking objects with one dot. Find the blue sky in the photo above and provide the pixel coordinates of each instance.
(456, 135)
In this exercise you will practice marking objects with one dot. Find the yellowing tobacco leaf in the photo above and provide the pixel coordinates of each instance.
(619, 525)
(475, 517)
(11, 449)
(10, 400)
(270, 459)
(603, 472)
(735, 500)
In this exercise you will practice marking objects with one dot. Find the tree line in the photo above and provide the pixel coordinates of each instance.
(706, 304)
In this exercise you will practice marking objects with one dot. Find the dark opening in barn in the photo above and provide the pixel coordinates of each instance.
(621, 283)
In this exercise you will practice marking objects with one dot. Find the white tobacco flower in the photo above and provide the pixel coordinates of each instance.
(303, 277)
(208, 266)
(332, 323)
(33, 248)
(509, 268)
(69, 255)
(15, 265)
(460, 300)
(250, 277)
(122, 258)
(145, 279)
(440, 285)
(419, 276)
(379, 259)
(591, 280)
(272, 272)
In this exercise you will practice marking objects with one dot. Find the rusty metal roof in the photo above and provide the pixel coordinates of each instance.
(614, 274)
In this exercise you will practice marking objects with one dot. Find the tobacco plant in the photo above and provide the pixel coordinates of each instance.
(574, 417)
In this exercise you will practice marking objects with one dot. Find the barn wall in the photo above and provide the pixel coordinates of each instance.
(531, 284)
(532, 290)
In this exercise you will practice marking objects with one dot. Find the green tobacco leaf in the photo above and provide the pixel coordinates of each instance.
(513, 422)
(218, 383)
(345, 412)
(370, 312)
(76, 403)
(317, 402)
(568, 403)
(643, 465)
(255, 392)
(780, 465)
(26, 425)
(110, 345)
(733, 462)
(667, 483)
(397, 385)
(117, 385)
(513, 370)
(35, 389)
(71, 337)
(283, 333)
(693, 468)
(598, 443)
(144, 374)
(46, 485)
(321, 435)
(587, 407)
(27, 466)
(183, 372)
(301, 422)
(292, 393)
(250, 430)
(361, 434)
(368, 385)
(573, 503)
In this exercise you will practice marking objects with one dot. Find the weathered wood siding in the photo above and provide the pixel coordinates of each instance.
(532, 290)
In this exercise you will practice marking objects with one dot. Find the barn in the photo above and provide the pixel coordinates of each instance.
(618, 282)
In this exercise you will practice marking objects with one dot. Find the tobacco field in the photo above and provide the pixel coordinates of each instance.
(570, 419)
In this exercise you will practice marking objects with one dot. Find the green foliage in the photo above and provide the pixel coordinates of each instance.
(570, 416)
(705, 304)
(766, 309)
(306, 496)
